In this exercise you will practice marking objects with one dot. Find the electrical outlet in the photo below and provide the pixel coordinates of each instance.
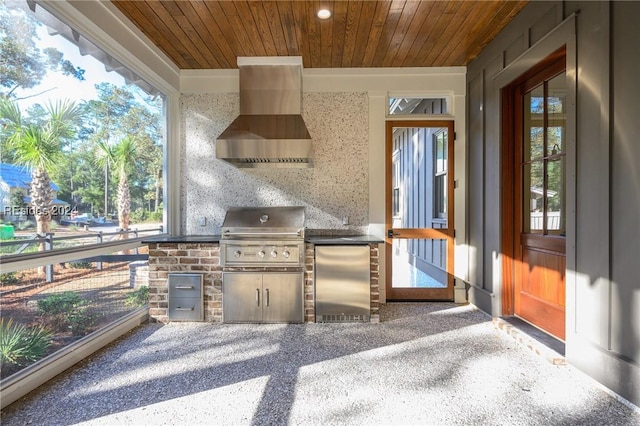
(345, 220)
(202, 221)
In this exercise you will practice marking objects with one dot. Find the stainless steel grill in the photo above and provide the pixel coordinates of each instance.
(262, 256)
(263, 237)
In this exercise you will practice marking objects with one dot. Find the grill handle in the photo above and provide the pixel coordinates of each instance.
(261, 234)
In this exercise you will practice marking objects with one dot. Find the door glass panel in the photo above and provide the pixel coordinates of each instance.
(543, 157)
(556, 94)
(533, 205)
(555, 140)
(419, 178)
(534, 124)
(395, 185)
(418, 106)
(440, 143)
(555, 196)
(419, 263)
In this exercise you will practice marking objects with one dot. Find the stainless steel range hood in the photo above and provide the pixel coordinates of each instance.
(270, 131)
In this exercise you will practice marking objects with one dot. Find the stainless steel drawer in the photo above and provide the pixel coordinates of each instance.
(186, 297)
(185, 285)
(185, 309)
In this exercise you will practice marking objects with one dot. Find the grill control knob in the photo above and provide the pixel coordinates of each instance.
(237, 253)
(286, 254)
(261, 253)
(274, 253)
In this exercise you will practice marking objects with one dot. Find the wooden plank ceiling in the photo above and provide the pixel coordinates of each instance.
(203, 34)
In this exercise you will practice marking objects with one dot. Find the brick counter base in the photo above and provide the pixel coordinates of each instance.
(204, 258)
(167, 258)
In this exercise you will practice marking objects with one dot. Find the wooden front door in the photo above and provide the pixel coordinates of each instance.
(535, 138)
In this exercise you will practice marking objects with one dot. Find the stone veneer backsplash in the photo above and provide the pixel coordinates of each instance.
(204, 258)
(335, 187)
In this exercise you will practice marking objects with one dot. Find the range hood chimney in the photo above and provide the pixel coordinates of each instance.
(269, 132)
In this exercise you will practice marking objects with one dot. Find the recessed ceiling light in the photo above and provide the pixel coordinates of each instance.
(324, 14)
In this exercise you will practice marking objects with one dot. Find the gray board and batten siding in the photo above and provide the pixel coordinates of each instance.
(603, 176)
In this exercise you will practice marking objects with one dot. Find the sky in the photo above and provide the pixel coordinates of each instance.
(67, 87)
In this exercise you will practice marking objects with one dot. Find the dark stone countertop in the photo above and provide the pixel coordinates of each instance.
(315, 239)
(183, 239)
(342, 240)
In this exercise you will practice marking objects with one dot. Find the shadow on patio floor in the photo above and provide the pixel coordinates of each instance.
(424, 363)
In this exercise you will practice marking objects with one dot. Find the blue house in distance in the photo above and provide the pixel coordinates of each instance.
(18, 178)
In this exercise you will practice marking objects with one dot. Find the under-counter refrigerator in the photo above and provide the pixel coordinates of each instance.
(342, 283)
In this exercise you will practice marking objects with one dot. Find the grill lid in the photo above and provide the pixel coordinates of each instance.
(254, 222)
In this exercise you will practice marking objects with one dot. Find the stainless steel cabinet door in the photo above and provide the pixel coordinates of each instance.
(283, 298)
(242, 298)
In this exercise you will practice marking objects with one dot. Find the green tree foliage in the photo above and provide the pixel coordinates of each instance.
(120, 157)
(118, 112)
(39, 147)
(56, 62)
(22, 63)
(17, 199)
(80, 183)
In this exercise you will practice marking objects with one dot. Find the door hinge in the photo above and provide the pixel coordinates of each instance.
(455, 136)
(454, 233)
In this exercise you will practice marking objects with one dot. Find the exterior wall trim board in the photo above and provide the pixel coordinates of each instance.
(547, 45)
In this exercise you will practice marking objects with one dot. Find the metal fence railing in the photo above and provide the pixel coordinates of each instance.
(50, 241)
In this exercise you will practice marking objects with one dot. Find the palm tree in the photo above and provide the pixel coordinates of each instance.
(39, 148)
(121, 158)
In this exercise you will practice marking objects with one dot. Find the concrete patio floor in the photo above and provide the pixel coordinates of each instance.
(427, 363)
